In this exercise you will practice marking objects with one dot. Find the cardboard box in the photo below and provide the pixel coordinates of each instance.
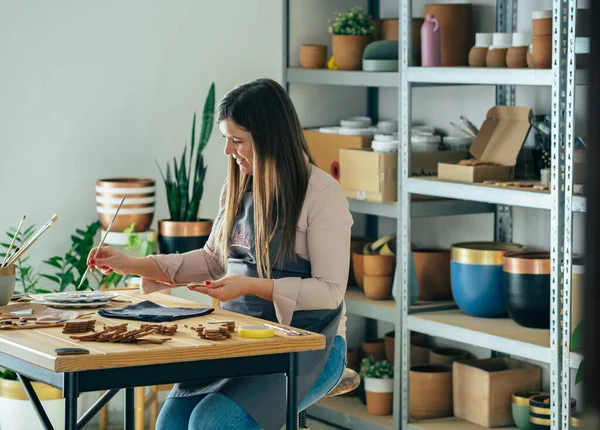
(499, 141)
(482, 388)
(579, 155)
(426, 163)
(369, 175)
(324, 148)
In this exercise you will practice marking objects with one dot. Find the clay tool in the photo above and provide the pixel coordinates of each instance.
(288, 331)
(469, 124)
(12, 242)
(468, 133)
(31, 241)
(102, 240)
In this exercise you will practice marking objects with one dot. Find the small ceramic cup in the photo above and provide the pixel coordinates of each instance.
(7, 284)
(496, 55)
(516, 56)
(478, 52)
(313, 56)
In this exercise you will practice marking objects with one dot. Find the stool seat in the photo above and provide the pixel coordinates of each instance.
(350, 381)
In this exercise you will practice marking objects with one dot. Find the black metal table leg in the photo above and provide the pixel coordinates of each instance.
(292, 392)
(129, 409)
(37, 405)
(96, 407)
(70, 393)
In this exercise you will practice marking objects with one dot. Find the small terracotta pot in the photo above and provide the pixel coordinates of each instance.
(390, 29)
(358, 269)
(378, 287)
(380, 393)
(447, 356)
(430, 391)
(496, 57)
(389, 341)
(356, 246)
(419, 351)
(352, 359)
(542, 51)
(432, 267)
(313, 56)
(374, 348)
(379, 265)
(542, 27)
(348, 50)
(378, 24)
(477, 56)
(516, 57)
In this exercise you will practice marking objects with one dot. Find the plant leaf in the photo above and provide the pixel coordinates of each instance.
(577, 337)
(51, 277)
(192, 145)
(579, 376)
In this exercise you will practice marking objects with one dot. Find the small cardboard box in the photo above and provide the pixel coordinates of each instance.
(499, 141)
(426, 163)
(369, 175)
(324, 148)
(482, 388)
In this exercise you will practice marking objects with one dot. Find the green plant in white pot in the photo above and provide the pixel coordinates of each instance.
(184, 230)
(378, 377)
(351, 32)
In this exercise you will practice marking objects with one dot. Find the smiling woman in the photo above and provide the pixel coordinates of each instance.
(279, 251)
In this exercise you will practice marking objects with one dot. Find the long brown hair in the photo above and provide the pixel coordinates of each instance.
(280, 169)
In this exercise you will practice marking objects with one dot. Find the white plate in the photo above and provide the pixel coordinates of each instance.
(78, 297)
(58, 305)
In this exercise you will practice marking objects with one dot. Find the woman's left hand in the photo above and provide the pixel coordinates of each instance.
(227, 288)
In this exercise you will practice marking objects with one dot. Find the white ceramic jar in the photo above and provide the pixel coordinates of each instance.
(420, 143)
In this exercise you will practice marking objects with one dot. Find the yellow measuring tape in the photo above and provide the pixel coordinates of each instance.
(256, 331)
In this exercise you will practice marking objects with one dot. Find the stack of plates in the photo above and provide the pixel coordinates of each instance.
(385, 142)
(72, 300)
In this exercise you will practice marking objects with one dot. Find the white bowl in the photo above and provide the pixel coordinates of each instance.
(425, 143)
(329, 130)
(356, 122)
(385, 146)
(458, 143)
(385, 137)
(387, 126)
(366, 132)
(422, 129)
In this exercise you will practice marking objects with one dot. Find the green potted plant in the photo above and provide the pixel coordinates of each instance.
(184, 230)
(378, 377)
(351, 32)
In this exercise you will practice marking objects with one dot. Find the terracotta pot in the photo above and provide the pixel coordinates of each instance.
(419, 351)
(377, 33)
(456, 31)
(430, 391)
(378, 287)
(477, 56)
(358, 269)
(352, 359)
(390, 29)
(374, 348)
(432, 267)
(542, 51)
(516, 57)
(380, 393)
(447, 356)
(356, 246)
(175, 236)
(313, 56)
(379, 265)
(496, 57)
(541, 23)
(348, 50)
(390, 344)
(138, 207)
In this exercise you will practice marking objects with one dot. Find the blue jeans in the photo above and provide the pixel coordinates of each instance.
(218, 412)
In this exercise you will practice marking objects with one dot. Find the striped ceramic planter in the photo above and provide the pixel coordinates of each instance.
(137, 209)
(476, 277)
(527, 288)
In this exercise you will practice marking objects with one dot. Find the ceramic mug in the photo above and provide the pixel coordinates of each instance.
(7, 284)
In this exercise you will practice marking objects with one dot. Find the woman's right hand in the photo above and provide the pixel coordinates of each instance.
(108, 260)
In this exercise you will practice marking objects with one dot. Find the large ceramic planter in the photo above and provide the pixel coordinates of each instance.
(419, 350)
(520, 408)
(527, 288)
(539, 411)
(179, 237)
(380, 393)
(430, 391)
(16, 411)
(374, 348)
(476, 277)
(348, 50)
(578, 421)
(7, 284)
(138, 207)
(432, 267)
(390, 344)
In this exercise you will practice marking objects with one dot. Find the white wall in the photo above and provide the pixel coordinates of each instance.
(98, 89)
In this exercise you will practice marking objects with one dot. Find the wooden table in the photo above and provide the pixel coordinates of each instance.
(114, 366)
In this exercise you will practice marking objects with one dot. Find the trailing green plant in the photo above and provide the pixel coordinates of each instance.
(73, 264)
(577, 343)
(352, 23)
(371, 368)
(8, 375)
(184, 193)
(25, 275)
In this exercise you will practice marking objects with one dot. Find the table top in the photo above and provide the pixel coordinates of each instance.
(37, 346)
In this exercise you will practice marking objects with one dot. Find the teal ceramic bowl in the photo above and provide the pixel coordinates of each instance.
(520, 408)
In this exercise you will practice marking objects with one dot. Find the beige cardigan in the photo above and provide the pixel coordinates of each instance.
(322, 237)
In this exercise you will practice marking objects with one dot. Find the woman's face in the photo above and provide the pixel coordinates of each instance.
(238, 144)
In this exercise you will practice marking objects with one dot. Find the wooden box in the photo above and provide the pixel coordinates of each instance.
(482, 388)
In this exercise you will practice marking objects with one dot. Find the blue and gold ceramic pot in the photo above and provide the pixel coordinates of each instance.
(527, 288)
(476, 277)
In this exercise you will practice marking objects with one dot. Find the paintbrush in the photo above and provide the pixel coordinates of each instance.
(31, 241)
(12, 242)
(469, 124)
(102, 241)
(468, 133)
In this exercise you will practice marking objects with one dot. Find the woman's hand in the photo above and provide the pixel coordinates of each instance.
(234, 286)
(108, 260)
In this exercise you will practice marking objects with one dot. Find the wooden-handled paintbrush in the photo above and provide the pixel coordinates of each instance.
(12, 242)
(31, 241)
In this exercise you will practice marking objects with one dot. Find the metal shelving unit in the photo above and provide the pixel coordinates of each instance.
(426, 208)
(500, 335)
(340, 77)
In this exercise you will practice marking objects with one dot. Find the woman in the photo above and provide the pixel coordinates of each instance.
(279, 251)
